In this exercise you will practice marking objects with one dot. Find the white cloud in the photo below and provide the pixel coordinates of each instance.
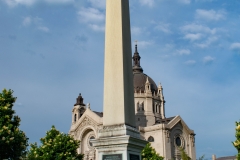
(190, 62)
(185, 1)
(205, 0)
(143, 44)
(94, 18)
(59, 1)
(98, 3)
(208, 59)
(42, 28)
(13, 3)
(136, 30)
(195, 28)
(90, 15)
(147, 2)
(193, 37)
(164, 27)
(183, 52)
(18, 104)
(96, 27)
(235, 47)
(195, 32)
(210, 15)
(208, 42)
(27, 21)
(36, 22)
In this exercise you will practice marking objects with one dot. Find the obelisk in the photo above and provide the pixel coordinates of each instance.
(118, 139)
(118, 77)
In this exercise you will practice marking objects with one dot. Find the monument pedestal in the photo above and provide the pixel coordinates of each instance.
(119, 142)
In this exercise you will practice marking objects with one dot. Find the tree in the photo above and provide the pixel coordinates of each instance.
(55, 145)
(237, 142)
(13, 141)
(149, 153)
(184, 155)
(202, 158)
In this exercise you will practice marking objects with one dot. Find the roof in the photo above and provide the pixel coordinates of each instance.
(139, 80)
(165, 120)
(227, 158)
(100, 114)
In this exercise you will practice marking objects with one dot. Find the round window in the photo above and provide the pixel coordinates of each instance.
(92, 137)
(178, 141)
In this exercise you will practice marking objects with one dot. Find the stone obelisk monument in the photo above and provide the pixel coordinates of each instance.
(119, 139)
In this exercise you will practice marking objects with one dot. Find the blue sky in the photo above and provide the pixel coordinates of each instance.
(52, 50)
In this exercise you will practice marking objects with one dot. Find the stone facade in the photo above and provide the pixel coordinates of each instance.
(164, 134)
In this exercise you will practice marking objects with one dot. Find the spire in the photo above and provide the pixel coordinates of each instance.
(147, 81)
(136, 61)
(79, 100)
(148, 86)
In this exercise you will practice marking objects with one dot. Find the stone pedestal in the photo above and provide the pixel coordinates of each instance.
(120, 142)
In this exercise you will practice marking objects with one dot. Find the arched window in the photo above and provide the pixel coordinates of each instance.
(178, 141)
(92, 137)
(150, 139)
(75, 117)
(142, 106)
(138, 108)
(81, 112)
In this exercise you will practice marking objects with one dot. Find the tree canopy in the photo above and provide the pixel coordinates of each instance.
(13, 141)
(55, 145)
(237, 142)
(184, 155)
(149, 153)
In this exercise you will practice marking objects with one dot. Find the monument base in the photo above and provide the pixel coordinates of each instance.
(119, 142)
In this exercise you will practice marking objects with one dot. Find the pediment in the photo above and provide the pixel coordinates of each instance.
(179, 121)
(89, 118)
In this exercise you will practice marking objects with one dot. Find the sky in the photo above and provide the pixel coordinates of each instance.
(52, 50)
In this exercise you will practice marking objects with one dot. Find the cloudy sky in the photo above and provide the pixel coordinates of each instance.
(52, 50)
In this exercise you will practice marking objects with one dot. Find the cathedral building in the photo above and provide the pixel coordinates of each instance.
(166, 134)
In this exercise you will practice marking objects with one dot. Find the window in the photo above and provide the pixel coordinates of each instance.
(142, 106)
(138, 108)
(75, 117)
(92, 137)
(178, 141)
(150, 139)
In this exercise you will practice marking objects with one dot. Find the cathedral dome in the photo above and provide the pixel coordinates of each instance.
(139, 78)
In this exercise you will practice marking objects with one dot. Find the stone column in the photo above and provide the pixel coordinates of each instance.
(118, 139)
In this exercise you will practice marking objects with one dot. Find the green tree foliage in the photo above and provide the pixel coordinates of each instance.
(237, 142)
(184, 155)
(202, 158)
(149, 153)
(55, 145)
(13, 141)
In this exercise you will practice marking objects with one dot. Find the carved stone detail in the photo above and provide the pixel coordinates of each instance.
(192, 137)
(111, 128)
(86, 122)
(167, 134)
(116, 128)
